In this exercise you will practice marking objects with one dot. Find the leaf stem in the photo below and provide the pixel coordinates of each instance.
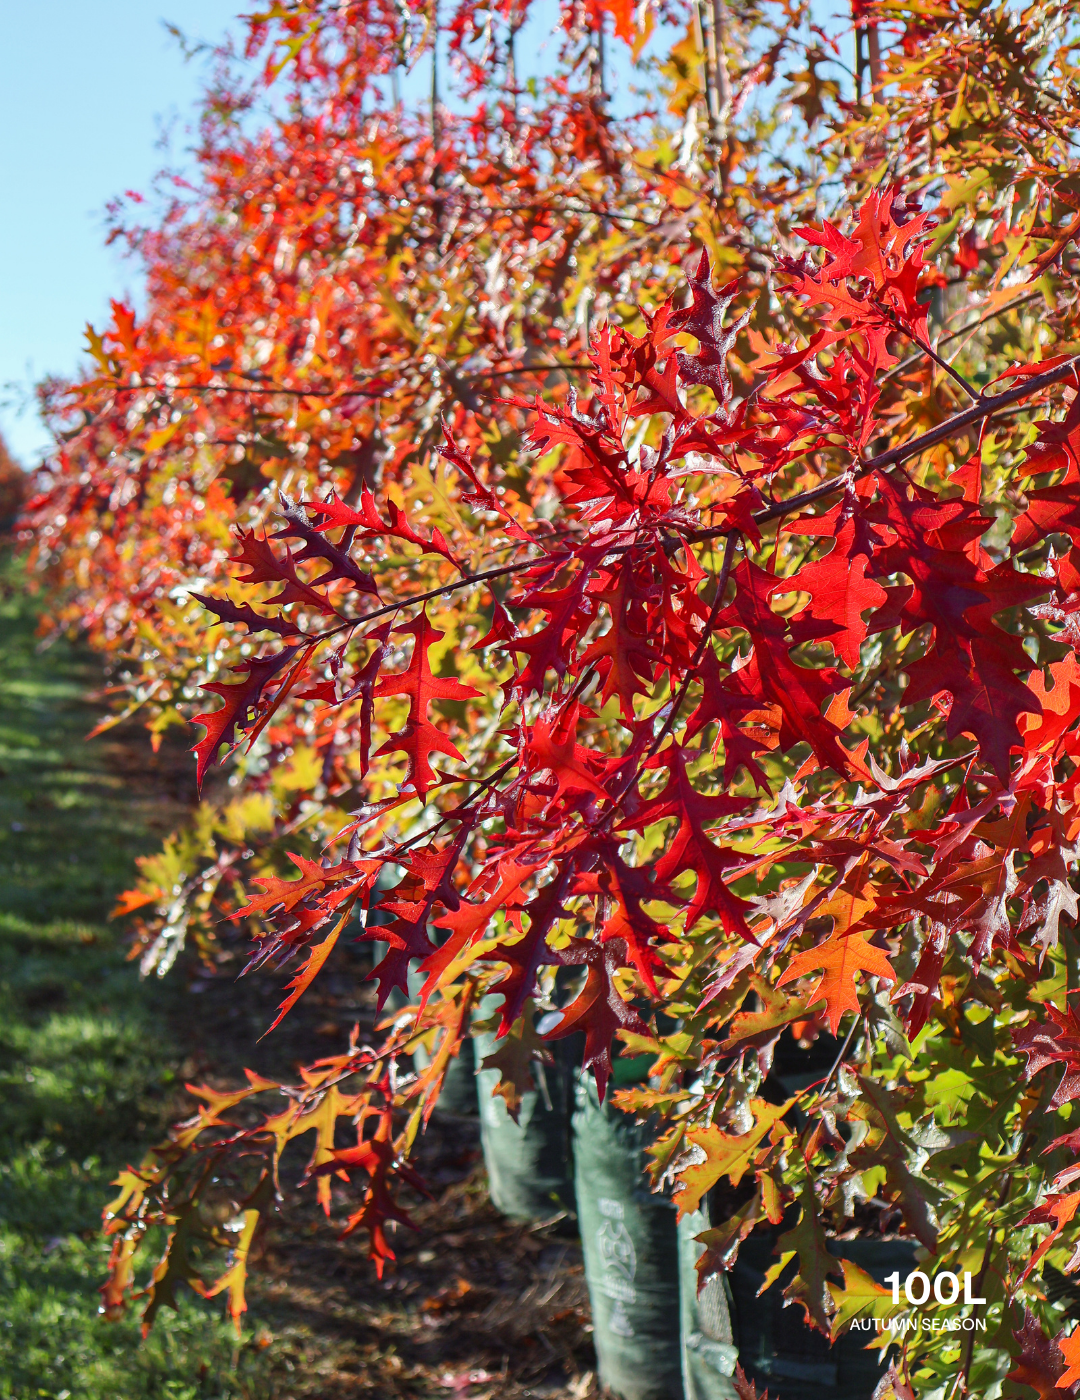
(954, 374)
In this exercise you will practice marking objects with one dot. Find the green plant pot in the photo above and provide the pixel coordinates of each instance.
(528, 1163)
(707, 1326)
(631, 1249)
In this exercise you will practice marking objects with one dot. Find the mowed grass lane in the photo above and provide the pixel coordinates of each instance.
(86, 1058)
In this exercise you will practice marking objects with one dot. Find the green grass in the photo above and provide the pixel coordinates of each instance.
(86, 1055)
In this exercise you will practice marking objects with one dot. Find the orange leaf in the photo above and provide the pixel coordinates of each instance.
(838, 959)
(1070, 1350)
(723, 1154)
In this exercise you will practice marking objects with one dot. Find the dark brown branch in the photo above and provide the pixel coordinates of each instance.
(345, 390)
(952, 427)
(985, 408)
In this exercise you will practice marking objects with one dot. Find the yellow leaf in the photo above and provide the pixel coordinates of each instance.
(723, 1154)
(859, 1296)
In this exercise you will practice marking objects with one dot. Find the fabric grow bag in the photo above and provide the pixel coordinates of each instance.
(528, 1163)
(631, 1250)
(707, 1327)
(776, 1347)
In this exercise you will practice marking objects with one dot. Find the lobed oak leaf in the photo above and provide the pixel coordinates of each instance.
(860, 1296)
(598, 1009)
(624, 889)
(551, 746)
(720, 705)
(378, 1159)
(337, 515)
(1044, 1046)
(810, 1287)
(1070, 1349)
(228, 611)
(777, 1011)
(551, 647)
(838, 960)
(691, 848)
(316, 546)
(527, 954)
(840, 595)
(1057, 1211)
(624, 656)
(772, 678)
(704, 320)
(722, 1241)
(234, 1278)
(264, 566)
(1042, 1361)
(514, 1056)
(420, 738)
(1060, 705)
(481, 496)
(286, 894)
(239, 712)
(715, 1153)
(745, 1388)
(467, 924)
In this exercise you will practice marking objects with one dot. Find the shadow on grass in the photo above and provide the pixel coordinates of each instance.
(86, 1056)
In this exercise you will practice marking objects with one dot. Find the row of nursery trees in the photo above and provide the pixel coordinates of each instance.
(624, 526)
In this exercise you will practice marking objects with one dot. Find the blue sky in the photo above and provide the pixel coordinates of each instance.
(87, 87)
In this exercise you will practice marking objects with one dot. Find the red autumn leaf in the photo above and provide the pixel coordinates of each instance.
(1044, 1046)
(598, 1010)
(468, 923)
(625, 889)
(840, 597)
(264, 566)
(691, 848)
(551, 747)
(337, 515)
(420, 738)
(1056, 1211)
(528, 953)
(772, 678)
(239, 713)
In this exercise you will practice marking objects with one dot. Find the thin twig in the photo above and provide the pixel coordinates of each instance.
(963, 330)
(345, 390)
(954, 374)
(840, 1057)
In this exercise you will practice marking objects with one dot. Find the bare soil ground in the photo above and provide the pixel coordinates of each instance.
(475, 1306)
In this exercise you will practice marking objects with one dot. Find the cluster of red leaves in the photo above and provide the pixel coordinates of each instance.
(613, 625)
